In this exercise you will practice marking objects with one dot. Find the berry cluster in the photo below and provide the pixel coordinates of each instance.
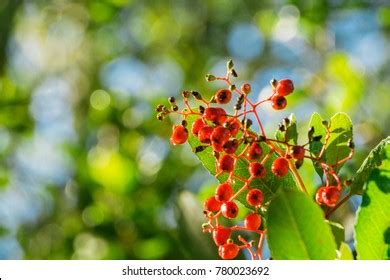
(230, 138)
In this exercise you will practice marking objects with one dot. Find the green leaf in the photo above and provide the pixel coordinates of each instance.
(373, 160)
(268, 185)
(338, 232)
(290, 134)
(297, 229)
(372, 230)
(345, 252)
(337, 148)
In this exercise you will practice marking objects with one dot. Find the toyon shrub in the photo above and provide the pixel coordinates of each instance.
(259, 175)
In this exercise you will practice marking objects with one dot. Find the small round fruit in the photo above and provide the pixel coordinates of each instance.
(278, 102)
(246, 88)
(230, 146)
(252, 221)
(228, 251)
(257, 170)
(298, 152)
(280, 167)
(220, 135)
(212, 205)
(221, 235)
(319, 194)
(254, 152)
(233, 125)
(223, 96)
(284, 87)
(330, 196)
(204, 134)
(229, 209)
(226, 163)
(197, 125)
(223, 192)
(255, 197)
(179, 135)
(216, 115)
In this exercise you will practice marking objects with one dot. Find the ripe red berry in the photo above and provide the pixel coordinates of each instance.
(252, 221)
(233, 125)
(255, 197)
(216, 115)
(220, 135)
(197, 125)
(229, 209)
(330, 196)
(284, 87)
(204, 134)
(212, 205)
(223, 96)
(226, 163)
(257, 170)
(230, 146)
(228, 251)
(221, 235)
(298, 152)
(254, 151)
(319, 194)
(223, 192)
(280, 167)
(278, 102)
(179, 135)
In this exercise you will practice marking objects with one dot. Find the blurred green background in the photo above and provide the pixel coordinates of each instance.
(86, 171)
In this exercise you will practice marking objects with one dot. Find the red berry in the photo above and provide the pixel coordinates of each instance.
(197, 125)
(231, 146)
(220, 135)
(228, 251)
(229, 209)
(319, 194)
(298, 152)
(257, 170)
(278, 102)
(254, 152)
(223, 96)
(179, 135)
(280, 167)
(246, 88)
(233, 125)
(284, 87)
(223, 192)
(204, 134)
(221, 235)
(216, 115)
(330, 196)
(255, 197)
(226, 163)
(212, 205)
(252, 221)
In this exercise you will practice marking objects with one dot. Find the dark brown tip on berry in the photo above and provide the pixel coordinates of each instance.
(282, 128)
(230, 64)
(210, 78)
(247, 123)
(325, 123)
(317, 138)
(196, 95)
(261, 138)
(234, 73)
(310, 133)
(232, 87)
(273, 83)
(159, 108)
(287, 121)
(298, 163)
(160, 117)
(171, 99)
(185, 93)
(184, 123)
(175, 108)
(201, 109)
(351, 144)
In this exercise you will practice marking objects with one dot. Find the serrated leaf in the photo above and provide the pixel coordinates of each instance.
(345, 253)
(268, 185)
(373, 160)
(372, 231)
(297, 229)
(338, 232)
(290, 134)
(337, 148)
